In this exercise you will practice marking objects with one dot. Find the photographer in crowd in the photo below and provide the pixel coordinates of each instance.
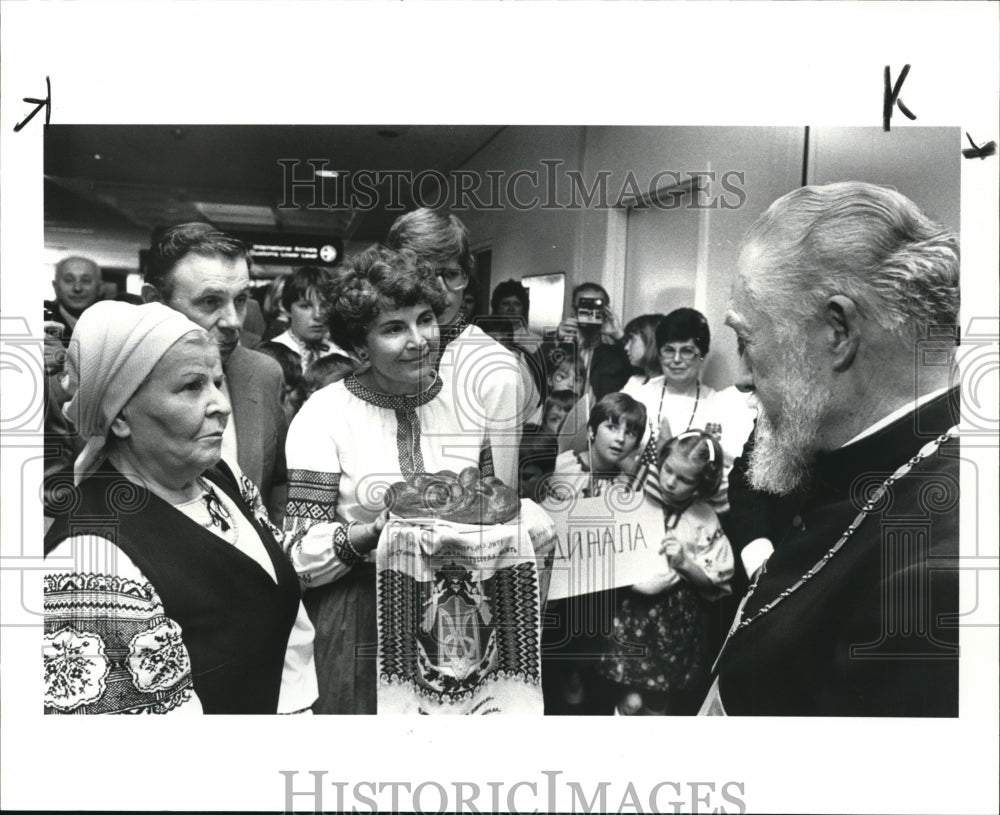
(595, 331)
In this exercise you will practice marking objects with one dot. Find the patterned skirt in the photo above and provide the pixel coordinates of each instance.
(659, 641)
(346, 645)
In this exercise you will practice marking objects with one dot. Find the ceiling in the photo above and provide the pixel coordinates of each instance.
(114, 177)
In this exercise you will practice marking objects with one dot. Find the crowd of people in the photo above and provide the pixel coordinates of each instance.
(214, 492)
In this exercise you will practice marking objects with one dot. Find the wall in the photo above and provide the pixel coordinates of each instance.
(539, 240)
(922, 163)
(589, 243)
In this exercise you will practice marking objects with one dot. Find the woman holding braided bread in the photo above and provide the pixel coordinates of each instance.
(390, 420)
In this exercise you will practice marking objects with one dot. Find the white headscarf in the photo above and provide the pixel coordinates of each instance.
(113, 349)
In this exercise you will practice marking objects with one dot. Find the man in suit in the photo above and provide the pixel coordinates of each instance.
(77, 286)
(205, 274)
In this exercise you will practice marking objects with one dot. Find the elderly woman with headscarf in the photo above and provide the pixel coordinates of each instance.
(174, 594)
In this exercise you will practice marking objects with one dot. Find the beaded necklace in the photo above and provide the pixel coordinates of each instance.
(659, 409)
(739, 622)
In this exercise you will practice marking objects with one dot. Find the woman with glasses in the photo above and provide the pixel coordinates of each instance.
(678, 400)
(494, 388)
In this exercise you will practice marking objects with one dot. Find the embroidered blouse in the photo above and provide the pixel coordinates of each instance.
(572, 474)
(103, 606)
(309, 353)
(700, 533)
(345, 447)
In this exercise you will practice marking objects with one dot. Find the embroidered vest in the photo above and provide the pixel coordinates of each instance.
(235, 618)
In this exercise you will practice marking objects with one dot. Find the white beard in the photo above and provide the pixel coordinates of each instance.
(782, 455)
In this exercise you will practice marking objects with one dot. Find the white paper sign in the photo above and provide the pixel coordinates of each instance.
(604, 542)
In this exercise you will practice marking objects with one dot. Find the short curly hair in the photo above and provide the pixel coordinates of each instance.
(376, 280)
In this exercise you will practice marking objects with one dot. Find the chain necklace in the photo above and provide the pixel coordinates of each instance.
(739, 622)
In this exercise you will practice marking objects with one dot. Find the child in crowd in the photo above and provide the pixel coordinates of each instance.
(615, 425)
(325, 371)
(557, 405)
(566, 370)
(667, 615)
(292, 392)
(537, 460)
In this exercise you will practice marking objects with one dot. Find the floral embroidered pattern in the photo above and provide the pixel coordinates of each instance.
(251, 497)
(75, 668)
(157, 657)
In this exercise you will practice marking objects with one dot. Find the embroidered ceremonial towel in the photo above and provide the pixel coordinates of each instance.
(459, 615)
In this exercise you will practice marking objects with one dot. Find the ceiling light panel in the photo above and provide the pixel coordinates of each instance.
(242, 214)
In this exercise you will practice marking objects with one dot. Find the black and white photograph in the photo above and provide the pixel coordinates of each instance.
(394, 407)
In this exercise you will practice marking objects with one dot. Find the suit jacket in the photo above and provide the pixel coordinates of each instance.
(254, 381)
(57, 317)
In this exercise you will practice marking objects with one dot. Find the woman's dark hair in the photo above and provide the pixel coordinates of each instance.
(510, 288)
(701, 448)
(376, 280)
(684, 324)
(301, 282)
(617, 406)
(644, 327)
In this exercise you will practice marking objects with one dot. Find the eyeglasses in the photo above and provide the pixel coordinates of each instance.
(453, 279)
(685, 352)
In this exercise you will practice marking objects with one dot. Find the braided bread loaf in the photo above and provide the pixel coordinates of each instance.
(464, 498)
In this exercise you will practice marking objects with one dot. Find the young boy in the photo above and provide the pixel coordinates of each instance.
(615, 426)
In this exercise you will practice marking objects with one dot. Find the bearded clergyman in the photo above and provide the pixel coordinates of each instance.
(845, 308)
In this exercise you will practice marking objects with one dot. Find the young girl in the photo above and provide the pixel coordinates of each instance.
(614, 428)
(666, 616)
